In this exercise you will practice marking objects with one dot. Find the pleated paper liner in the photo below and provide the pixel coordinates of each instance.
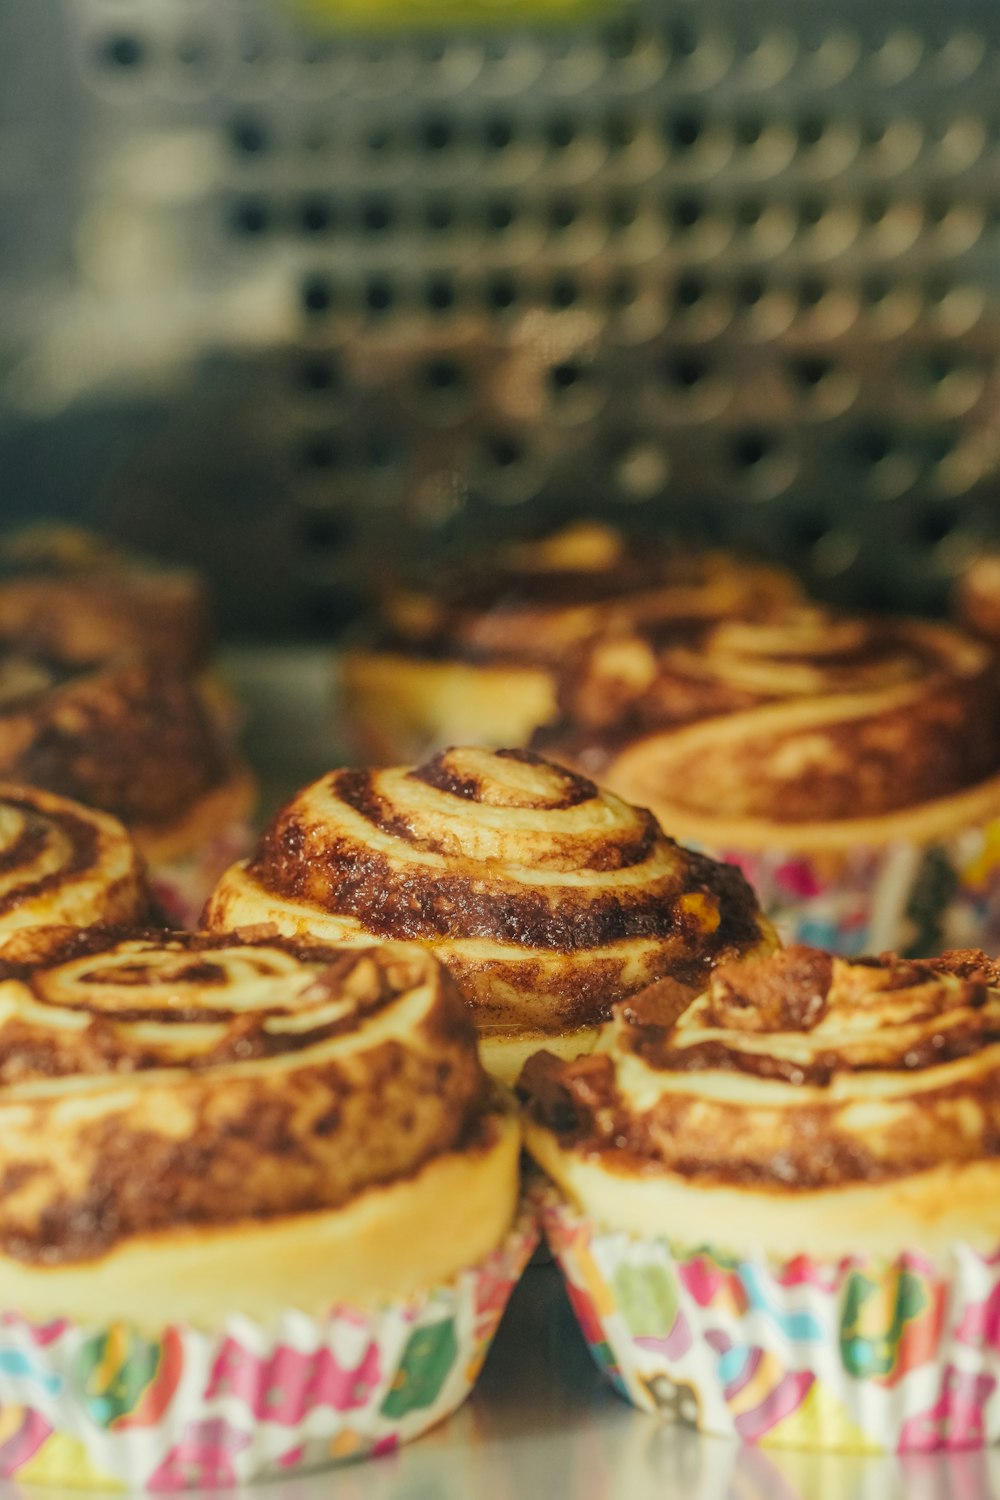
(113, 1408)
(856, 1355)
(915, 899)
(182, 886)
(913, 880)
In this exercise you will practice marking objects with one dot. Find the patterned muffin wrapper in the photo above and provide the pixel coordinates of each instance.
(857, 1355)
(911, 898)
(113, 1408)
(182, 886)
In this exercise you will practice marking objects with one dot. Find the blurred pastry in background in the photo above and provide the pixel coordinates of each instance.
(547, 898)
(137, 739)
(977, 596)
(850, 765)
(469, 657)
(64, 863)
(77, 597)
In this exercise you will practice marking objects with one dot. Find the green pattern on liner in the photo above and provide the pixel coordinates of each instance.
(647, 1299)
(427, 1360)
(935, 886)
(874, 1352)
(132, 1363)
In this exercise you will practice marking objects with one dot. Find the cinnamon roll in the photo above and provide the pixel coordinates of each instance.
(547, 898)
(777, 1207)
(976, 599)
(807, 735)
(803, 1104)
(185, 1117)
(61, 862)
(471, 657)
(133, 738)
(73, 596)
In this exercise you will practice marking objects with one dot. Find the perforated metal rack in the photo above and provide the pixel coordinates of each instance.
(726, 267)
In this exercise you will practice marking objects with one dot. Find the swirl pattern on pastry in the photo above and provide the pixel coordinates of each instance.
(131, 737)
(471, 657)
(802, 1104)
(152, 1081)
(534, 599)
(61, 862)
(804, 716)
(797, 1077)
(69, 595)
(547, 898)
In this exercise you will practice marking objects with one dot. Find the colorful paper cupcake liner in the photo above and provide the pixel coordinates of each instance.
(914, 899)
(857, 1355)
(115, 1408)
(182, 886)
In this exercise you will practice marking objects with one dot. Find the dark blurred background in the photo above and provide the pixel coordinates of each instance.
(297, 303)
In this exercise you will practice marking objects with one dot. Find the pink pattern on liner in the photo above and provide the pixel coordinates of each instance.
(41, 1334)
(707, 1281)
(202, 1457)
(24, 1443)
(289, 1384)
(798, 877)
(980, 1324)
(956, 1418)
(801, 1271)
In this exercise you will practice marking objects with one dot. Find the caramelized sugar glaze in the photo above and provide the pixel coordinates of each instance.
(802, 716)
(62, 862)
(131, 736)
(72, 596)
(151, 1081)
(547, 898)
(471, 654)
(532, 600)
(800, 1093)
(829, 1037)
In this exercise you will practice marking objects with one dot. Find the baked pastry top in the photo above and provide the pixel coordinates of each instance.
(530, 601)
(805, 715)
(61, 862)
(469, 655)
(977, 595)
(70, 595)
(224, 1078)
(547, 898)
(130, 736)
(801, 1095)
(236, 1121)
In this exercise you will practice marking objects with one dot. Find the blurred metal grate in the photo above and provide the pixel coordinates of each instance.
(729, 268)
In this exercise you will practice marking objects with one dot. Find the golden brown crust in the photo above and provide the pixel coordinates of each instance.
(391, 1241)
(71, 596)
(977, 596)
(531, 601)
(793, 1073)
(547, 898)
(803, 716)
(61, 862)
(131, 737)
(968, 963)
(472, 655)
(152, 1081)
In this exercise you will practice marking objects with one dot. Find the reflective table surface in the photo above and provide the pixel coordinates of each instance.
(543, 1425)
